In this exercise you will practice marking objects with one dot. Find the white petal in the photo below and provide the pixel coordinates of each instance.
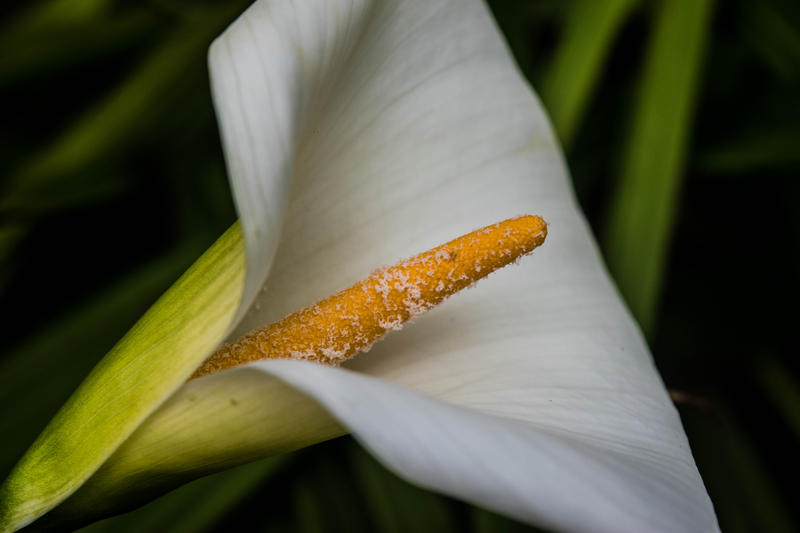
(555, 479)
(264, 106)
(376, 131)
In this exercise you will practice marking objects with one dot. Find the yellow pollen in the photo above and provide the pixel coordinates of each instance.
(336, 328)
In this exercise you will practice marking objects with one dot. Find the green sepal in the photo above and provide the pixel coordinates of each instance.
(139, 373)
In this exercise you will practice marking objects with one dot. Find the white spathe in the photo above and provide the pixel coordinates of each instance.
(358, 133)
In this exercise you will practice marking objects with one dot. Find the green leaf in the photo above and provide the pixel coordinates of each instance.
(488, 522)
(39, 51)
(196, 506)
(52, 14)
(157, 355)
(10, 236)
(43, 181)
(782, 389)
(774, 34)
(746, 496)
(762, 149)
(394, 504)
(589, 31)
(642, 209)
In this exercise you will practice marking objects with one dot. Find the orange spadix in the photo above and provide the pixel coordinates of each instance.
(336, 328)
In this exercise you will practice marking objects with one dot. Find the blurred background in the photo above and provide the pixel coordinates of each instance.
(680, 121)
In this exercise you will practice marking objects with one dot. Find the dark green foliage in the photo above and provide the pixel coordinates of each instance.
(681, 125)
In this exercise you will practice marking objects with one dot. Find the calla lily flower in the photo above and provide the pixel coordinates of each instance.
(358, 132)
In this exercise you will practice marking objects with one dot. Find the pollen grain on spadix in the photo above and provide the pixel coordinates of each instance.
(350, 321)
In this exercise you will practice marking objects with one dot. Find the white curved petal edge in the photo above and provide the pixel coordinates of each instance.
(555, 479)
(360, 132)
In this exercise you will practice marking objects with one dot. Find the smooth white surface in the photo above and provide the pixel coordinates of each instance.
(358, 133)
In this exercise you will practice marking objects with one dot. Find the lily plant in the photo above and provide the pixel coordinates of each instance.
(358, 132)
